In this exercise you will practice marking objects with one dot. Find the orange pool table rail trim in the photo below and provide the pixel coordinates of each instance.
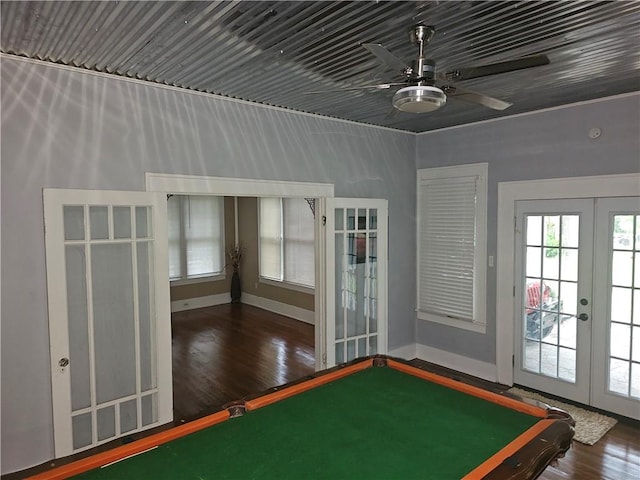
(546, 441)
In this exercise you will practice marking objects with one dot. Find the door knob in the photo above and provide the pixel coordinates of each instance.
(584, 301)
(584, 317)
(63, 362)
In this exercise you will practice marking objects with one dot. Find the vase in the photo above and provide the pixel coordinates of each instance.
(236, 290)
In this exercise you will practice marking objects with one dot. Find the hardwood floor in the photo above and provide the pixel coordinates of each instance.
(223, 353)
(226, 352)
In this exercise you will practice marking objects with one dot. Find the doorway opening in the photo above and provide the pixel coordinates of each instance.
(225, 348)
(243, 191)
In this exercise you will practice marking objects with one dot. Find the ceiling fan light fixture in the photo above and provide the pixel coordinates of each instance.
(419, 99)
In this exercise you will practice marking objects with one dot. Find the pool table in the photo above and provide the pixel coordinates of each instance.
(374, 418)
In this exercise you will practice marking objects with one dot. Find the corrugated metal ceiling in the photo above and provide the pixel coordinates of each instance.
(276, 52)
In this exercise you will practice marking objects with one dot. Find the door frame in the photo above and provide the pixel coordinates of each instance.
(241, 187)
(623, 185)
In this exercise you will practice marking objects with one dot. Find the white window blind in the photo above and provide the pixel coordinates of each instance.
(299, 236)
(287, 241)
(196, 240)
(271, 238)
(452, 212)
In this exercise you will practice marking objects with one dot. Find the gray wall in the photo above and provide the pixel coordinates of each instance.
(545, 144)
(70, 129)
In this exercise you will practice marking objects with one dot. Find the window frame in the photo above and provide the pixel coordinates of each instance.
(205, 277)
(480, 171)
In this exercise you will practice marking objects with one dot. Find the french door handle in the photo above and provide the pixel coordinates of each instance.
(583, 316)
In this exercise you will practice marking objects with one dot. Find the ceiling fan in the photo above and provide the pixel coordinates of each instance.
(421, 94)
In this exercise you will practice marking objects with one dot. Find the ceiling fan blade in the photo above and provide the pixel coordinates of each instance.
(468, 73)
(477, 98)
(387, 57)
(379, 86)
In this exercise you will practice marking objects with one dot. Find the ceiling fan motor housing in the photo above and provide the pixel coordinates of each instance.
(419, 99)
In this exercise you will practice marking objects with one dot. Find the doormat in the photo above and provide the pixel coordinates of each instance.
(590, 426)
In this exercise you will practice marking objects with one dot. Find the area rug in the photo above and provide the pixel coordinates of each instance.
(590, 426)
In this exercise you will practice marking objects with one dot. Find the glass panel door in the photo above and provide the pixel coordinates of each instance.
(616, 385)
(109, 317)
(356, 278)
(552, 253)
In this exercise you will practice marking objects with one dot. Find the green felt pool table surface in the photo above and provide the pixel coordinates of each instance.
(372, 422)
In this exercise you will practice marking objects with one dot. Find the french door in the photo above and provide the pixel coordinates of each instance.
(577, 298)
(109, 320)
(554, 251)
(356, 233)
(616, 367)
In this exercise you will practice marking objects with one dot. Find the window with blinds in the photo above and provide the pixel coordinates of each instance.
(196, 236)
(451, 280)
(287, 241)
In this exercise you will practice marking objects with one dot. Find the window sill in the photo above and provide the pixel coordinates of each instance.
(288, 286)
(190, 281)
(453, 322)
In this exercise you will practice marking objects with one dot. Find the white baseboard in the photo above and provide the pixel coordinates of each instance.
(200, 302)
(407, 352)
(470, 366)
(307, 316)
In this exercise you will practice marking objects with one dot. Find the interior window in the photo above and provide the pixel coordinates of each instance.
(196, 236)
(287, 241)
(452, 204)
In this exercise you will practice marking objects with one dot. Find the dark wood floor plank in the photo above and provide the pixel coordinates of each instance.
(226, 352)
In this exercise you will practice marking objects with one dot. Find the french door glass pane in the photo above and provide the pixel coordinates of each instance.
(121, 222)
(143, 222)
(352, 285)
(145, 315)
(339, 352)
(106, 420)
(624, 341)
(99, 222)
(128, 416)
(342, 297)
(373, 282)
(73, 222)
(75, 260)
(149, 405)
(112, 277)
(81, 430)
(550, 295)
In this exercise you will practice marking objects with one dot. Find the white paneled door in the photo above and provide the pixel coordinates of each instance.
(577, 297)
(109, 315)
(356, 276)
